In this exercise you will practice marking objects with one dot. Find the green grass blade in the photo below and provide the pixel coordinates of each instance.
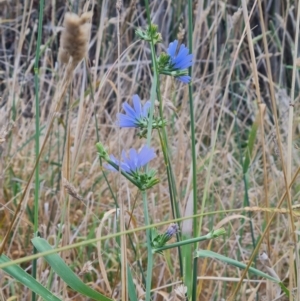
(37, 135)
(187, 251)
(131, 286)
(246, 164)
(20, 275)
(250, 146)
(65, 273)
(238, 264)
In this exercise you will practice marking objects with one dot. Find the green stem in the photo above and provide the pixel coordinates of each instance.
(190, 268)
(210, 235)
(149, 249)
(194, 170)
(149, 132)
(194, 284)
(164, 146)
(37, 137)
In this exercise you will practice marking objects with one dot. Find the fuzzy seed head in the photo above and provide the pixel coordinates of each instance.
(75, 37)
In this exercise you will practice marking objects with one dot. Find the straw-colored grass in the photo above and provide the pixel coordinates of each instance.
(245, 76)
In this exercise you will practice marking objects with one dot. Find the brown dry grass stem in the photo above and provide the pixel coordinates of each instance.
(255, 73)
(295, 212)
(74, 57)
(262, 112)
(255, 251)
(290, 151)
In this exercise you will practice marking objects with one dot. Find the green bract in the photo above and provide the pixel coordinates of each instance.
(150, 34)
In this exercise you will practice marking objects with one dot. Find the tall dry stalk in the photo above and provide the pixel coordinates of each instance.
(74, 55)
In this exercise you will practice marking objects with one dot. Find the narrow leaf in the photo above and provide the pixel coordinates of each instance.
(65, 273)
(210, 254)
(251, 142)
(187, 252)
(131, 286)
(20, 275)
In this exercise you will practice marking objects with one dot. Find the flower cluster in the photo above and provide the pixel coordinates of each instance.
(131, 165)
(180, 60)
(176, 63)
(138, 116)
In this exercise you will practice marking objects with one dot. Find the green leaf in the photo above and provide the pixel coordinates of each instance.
(238, 264)
(20, 275)
(250, 146)
(65, 273)
(187, 256)
(131, 286)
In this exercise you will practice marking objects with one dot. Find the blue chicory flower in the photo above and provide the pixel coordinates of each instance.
(172, 229)
(180, 60)
(132, 163)
(159, 240)
(136, 116)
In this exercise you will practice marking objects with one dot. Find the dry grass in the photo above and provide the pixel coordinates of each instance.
(70, 151)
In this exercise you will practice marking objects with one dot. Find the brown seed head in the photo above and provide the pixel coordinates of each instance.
(75, 37)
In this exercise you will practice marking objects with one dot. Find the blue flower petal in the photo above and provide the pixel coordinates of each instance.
(124, 165)
(124, 121)
(133, 114)
(146, 155)
(184, 78)
(146, 109)
(172, 48)
(129, 110)
(182, 53)
(180, 60)
(134, 161)
(137, 105)
(124, 157)
(108, 166)
(185, 62)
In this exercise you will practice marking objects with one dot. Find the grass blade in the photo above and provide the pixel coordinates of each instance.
(66, 274)
(20, 275)
(250, 146)
(238, 264)
(131, 286)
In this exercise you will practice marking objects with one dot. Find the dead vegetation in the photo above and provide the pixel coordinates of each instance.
(91, 97)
